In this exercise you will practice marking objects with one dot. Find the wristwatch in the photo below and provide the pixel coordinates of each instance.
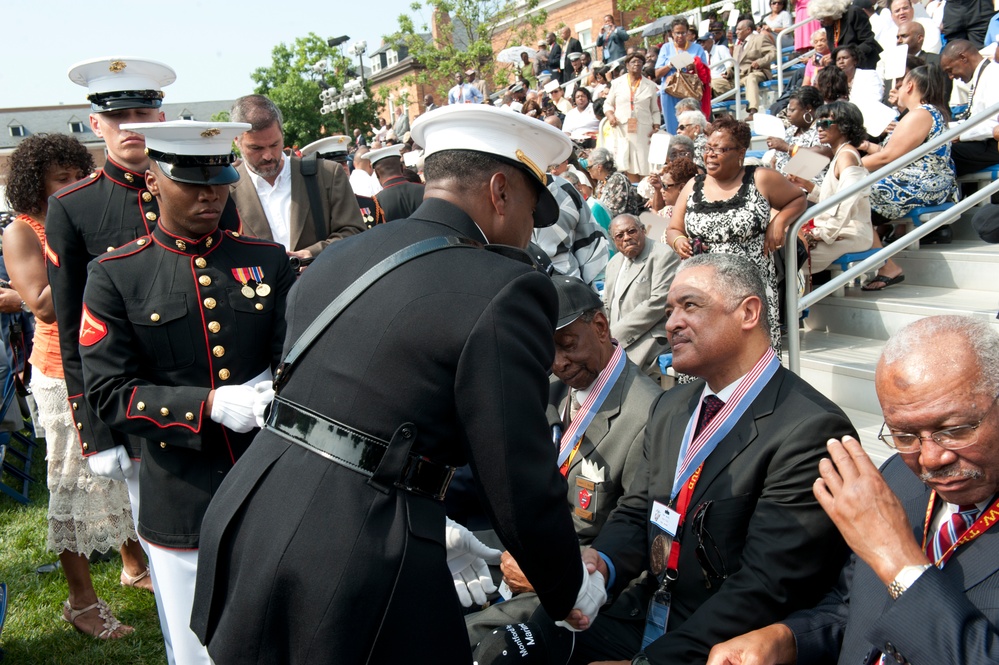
(640, 659)
(905, 579)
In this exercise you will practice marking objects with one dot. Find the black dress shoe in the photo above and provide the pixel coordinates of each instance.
(942, 236)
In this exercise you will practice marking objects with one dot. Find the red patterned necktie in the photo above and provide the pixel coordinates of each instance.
(709, 409)
(951, 531)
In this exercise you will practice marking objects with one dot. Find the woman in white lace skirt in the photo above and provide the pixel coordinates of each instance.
(87, 513)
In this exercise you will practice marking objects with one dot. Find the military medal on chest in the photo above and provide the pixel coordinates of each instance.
(256, 274)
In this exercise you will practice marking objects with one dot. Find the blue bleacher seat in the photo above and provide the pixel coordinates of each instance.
(915, 216)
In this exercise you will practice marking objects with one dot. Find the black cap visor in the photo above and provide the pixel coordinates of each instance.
(125, 99)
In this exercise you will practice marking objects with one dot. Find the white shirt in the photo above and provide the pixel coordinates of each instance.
(986, 93)
(276, 202)
(364, 184)
(718, 54)
(577, 123)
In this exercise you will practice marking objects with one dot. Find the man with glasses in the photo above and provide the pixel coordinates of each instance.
(753, 53)
(637, 283)
(722, 521)
(922, 583)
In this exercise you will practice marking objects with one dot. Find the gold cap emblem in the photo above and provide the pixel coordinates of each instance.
(209, 133)
(526, 161)
(117, 66)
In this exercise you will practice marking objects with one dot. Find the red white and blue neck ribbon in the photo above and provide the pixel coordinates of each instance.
(588, 409)
(693, 453)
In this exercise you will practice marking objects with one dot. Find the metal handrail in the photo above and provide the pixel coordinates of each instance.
(780, 62)
(794, 306)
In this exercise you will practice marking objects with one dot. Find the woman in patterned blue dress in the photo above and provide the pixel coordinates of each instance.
(929, 180)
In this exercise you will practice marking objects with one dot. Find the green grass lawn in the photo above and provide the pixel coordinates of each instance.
(34, 631)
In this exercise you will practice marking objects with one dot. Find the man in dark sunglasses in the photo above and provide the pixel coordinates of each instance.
(723, 522)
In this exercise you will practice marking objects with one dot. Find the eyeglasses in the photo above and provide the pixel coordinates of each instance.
(705, 556)
(951, 438)
(678, 35)
(626, 234)
(825, 123)
(680, 128)
(712, 150)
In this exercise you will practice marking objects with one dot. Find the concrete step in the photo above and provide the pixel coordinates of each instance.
(841, 367)
(877, 315)
(964, 264)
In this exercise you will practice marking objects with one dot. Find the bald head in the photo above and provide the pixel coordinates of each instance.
(913, 34)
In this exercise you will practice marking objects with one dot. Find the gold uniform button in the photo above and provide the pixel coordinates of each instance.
(214, 326)
(162, 444)
(151, 216)
(218, 351)
(110, 248)
(141, 406)
(79, 425)
(94, 174)
(164, 412)
(204, 280)
(259, 306)
(86, 446)
(75, 406)
(154, 317)
(189, 416)
(147, 197)
(224, 374)
(210, 303)
(234, 234)
(200, 262)
(142, 241)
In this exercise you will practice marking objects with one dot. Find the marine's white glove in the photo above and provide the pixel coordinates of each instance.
(468, 559)
(232, 407)
(265, 395)
(113, 463)
(592, 596)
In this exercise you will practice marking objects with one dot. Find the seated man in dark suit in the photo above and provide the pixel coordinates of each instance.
(729, 463)
(924, 578)
(598, 405)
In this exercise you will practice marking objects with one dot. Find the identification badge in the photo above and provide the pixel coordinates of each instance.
(656, 618)
(632, 125)
(665, 518)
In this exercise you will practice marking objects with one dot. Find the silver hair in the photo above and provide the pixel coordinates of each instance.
(693, 118)
(627, 216)
(736, 278)
(571, 177)
(919, 342)
(600, 156)
(682, 139)
(820, 9)
(687, 104)
(257, 110)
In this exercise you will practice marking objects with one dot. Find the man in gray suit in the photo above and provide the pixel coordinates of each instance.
(923, 582)
(279, 198)
(598, 406)
(635, 291)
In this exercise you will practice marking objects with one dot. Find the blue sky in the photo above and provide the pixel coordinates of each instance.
(212, 45)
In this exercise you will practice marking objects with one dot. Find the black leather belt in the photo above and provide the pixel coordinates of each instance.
(353, 449)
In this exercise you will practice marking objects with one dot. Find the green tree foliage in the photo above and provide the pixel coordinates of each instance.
(292, 83)
(466, 29)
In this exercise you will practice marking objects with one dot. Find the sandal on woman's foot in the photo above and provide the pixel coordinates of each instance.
(109, 628)
(879, 282)
(140, 581)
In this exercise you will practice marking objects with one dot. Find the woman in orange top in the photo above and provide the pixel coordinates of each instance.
(86, 512)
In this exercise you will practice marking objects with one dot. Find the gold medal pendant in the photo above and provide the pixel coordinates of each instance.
(263, 290)
(247, 291)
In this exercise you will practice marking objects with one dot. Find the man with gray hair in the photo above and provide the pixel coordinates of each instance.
(303, 204)
(729, 465)
(637, 283)
(922, 583)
